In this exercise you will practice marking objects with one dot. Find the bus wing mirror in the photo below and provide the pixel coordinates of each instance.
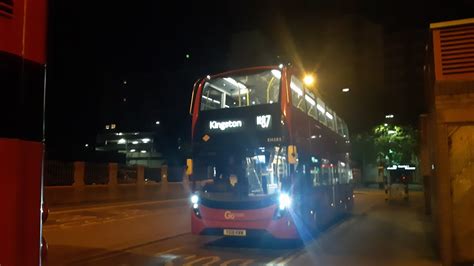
(292, 154)
(189, 167)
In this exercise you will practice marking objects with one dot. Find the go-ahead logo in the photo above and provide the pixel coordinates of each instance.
(228, 215)
(225, 124)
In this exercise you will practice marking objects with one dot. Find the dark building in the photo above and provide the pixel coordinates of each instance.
(138, 147)
(403, 73)
(130, 121)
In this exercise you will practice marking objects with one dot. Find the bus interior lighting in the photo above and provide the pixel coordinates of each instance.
(211, 100)
(296, 89)
(329, 115)
(276, 73)
(235, 83)
(320, 108)
(310, 100)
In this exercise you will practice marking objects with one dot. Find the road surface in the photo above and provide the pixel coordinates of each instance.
(150, 233)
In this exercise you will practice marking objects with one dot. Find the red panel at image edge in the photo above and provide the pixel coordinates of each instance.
(20, 175)
(11, 30)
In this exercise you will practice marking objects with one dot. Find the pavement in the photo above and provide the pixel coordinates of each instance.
(157, 233)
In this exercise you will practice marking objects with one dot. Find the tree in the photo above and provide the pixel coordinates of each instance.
(395, 144)
(385, 145)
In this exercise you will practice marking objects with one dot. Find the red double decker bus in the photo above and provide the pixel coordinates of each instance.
(276, 154)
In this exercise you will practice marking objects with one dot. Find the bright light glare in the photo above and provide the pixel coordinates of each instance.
(133, 150)
(135, 142)
(389, 116)
(146, 140)
(285, 201)
(346, 90)
(121, 141)
(195, 206)
(143, 151)
(276, 73)
(391, 132)
(308, 80)
(157, 122)
(194, 199)
(280, 66)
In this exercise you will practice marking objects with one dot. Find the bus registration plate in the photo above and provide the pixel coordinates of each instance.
(235, 232)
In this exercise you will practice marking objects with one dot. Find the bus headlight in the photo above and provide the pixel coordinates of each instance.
(285, 201)
(194, 199)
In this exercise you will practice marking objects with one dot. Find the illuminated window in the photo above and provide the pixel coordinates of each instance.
(297, 98)
(112, 126)
(241, 90)
(311, 104)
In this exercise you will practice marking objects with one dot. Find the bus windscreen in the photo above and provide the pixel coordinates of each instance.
(241, 90)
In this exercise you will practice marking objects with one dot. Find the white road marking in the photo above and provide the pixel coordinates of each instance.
(287, 260)
(166, 251)
(199, 261)
(243, 262)
(275, 261)
(117, 206)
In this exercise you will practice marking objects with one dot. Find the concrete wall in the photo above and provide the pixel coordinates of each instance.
(461, 160)
(79, 193)
(67, 196)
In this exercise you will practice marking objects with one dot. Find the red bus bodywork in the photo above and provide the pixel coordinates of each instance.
(257, 222)
(208, 220)
(22, 66)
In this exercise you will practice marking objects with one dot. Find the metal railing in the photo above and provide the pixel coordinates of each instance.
(58, 173)
(152, 174)
(126, 174)
(96, 174)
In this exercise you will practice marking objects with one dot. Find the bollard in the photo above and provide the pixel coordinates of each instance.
(79, 171)
(186, 185)
(113, 172)
(140, 175)
(164, 174)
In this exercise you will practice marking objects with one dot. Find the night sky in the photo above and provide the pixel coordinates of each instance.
(94, 46)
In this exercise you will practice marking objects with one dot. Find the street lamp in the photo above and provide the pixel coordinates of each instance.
(389, 116)
(308, 79)
(346, 90)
